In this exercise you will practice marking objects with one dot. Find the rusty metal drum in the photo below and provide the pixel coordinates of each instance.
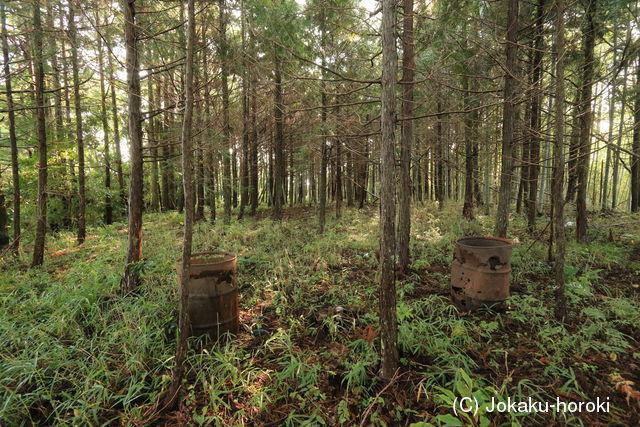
(480, 272)
(213, 293)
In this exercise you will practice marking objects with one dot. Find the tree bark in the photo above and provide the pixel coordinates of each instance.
(253, 143)
(585, 121)
(152, 137)
(108, 206)
(338, 173)
(116, 130)
(15, 174)
(388, 321)
(406, 137)
(508, 120)
(534, 125)
(616, 154)
(131, 278)
(322, 190)
(612, 108)
(439, 158)
(244, 158)
(635, 162)
(82, 199)
(278, 112)
(41, 133)
(467, 208)
(558, 164)
(226, 131)
(184, 331)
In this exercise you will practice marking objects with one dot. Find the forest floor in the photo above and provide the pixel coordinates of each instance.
(75, 351)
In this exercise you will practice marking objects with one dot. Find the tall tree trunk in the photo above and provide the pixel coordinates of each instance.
(244, 158)
(15, 174)
(350, 177)
(171, 395)
(508, 121)
(108, 206)
(82, 201)
(166, 195)
(69, 187)
(198, 143)
(558, 164)
(574, 149)
(226, 131)
(467, 208)
(234, 175)
(152, 137)
(585, 120)
(131, 278)
(278, 112)
(253, 144)
(439, 159)
(534, 125)
(612, 107)
(210, 152)
(388, 321)
(291, 176)
(322, 190)
(338, 173)
(116, 130)
(406, 137)
(635, 160)
(616, 154)
(41, 132)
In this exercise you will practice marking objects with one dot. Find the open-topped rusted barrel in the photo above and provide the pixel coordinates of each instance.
(213, 293)
(480, 272)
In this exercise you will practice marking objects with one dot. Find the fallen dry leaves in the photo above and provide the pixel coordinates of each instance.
(626, 387)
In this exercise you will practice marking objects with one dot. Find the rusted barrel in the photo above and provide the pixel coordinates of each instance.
(480, 272)
(213, 294)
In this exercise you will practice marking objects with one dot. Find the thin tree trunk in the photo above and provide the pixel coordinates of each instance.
(635, 162)
(171, 395)
(82, 200)
(41, 132)
(108, 206)
(152, 137)
(388, 321)
(15, 174)
(406, 137)
(467, 209)
(116, 130)
(612, 108)
(558, 165)
(131, 278)
(244, 162)
(616, 154)
(350, 178)
(534, 126)
(338, 173)
(198, 142)
(439, 159)
(322, 190)
(234, 175)
(278, 112)
(574, 149)
(585, 120)
(508, 121)
(253, 143)
(226, 131)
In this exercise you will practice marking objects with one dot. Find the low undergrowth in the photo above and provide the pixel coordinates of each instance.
(76, 351)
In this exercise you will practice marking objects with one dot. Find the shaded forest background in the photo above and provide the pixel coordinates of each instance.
(518, 118)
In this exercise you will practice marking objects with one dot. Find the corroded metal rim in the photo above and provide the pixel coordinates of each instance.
(211, 258)
(489, 242)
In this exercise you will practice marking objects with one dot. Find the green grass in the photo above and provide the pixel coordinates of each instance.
(77, 352)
